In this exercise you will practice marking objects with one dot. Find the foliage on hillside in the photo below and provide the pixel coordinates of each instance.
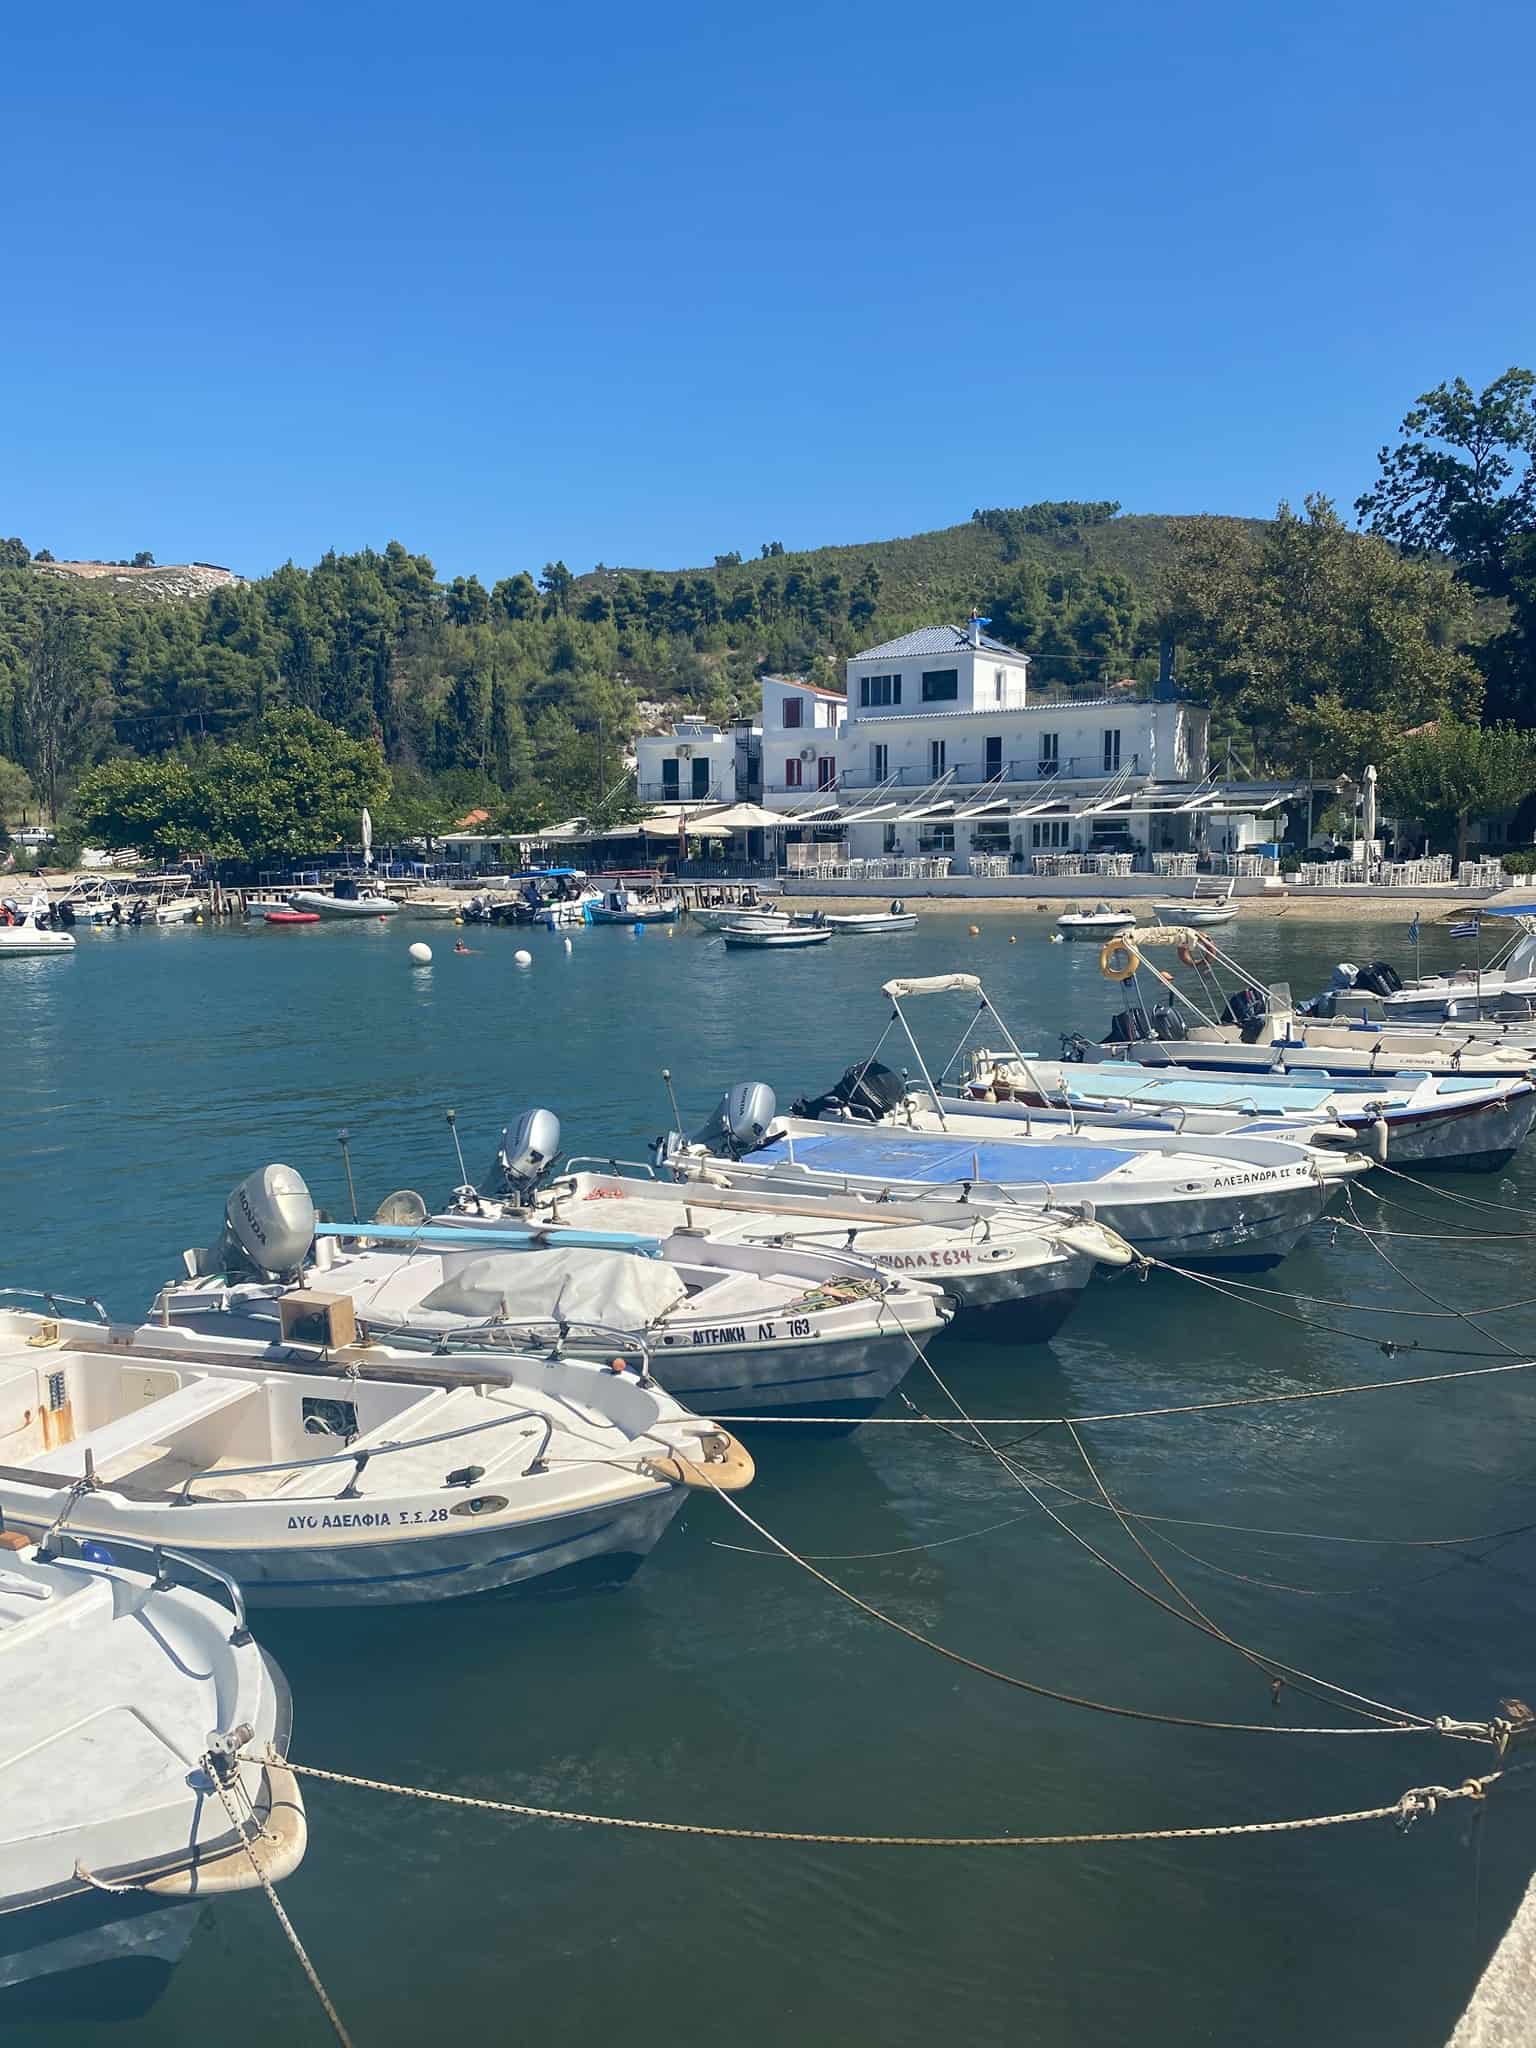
(520, 696)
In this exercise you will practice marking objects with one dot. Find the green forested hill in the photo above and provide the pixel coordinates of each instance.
(521, 694)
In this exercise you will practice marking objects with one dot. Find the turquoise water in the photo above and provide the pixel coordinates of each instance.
(146, 1074)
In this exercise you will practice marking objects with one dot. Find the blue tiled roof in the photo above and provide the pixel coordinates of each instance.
(935, 640)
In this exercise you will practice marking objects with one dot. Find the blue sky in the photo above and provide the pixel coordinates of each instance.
(638, 285)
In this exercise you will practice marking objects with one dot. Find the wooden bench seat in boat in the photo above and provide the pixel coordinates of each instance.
(144, 1436)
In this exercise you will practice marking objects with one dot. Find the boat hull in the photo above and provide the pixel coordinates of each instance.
(93, 1956)
(841, 1376)
(776, 941)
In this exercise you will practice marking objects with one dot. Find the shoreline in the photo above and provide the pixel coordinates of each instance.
(1304, 908)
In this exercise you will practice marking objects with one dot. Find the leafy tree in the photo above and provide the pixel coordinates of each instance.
(42, 555)
(1462, 484)
(730, 561)
(142, 560)
(1270, 624)
(557, 583)
(16, 791)
(771, 548)
(14, 554)
(1452, 772)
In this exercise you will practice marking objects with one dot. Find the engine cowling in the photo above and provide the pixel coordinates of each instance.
(527, 1150)
(741, 1119)
(269, 1222)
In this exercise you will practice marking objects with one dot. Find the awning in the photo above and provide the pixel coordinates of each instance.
(670, 828)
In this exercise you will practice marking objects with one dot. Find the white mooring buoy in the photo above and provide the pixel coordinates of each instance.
(523, 959)
(421, 954)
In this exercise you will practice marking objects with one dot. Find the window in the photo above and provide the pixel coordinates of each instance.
(941, 685)
(994, 756)
(999, 685)
(990, 835)
(701, 778)
(794, 713)
(1111, 749)
(1049, 762)
(892, 839)
(936, 839)
(669, 776)
(792, 773)
(937, 752)
(879, 690)
(879, 762)
(826, 771)
(1051, 832)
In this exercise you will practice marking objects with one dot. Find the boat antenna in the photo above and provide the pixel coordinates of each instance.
(344, 1140)
(677, 1115)
(453, 1126)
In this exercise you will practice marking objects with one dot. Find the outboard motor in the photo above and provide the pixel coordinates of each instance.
(1126, 1027)
(1380, 977)
(740, 1120)
(1344, 972)
(1167, 1022)
(867, 1093)
(1245, 1006)
(527, 1150)
(269, 1226)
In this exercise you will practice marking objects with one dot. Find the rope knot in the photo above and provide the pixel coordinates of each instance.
(1418, 1802)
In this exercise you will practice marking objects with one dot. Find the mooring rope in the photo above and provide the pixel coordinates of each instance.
(1418, 1803)
(214, 1767)
(1446, 1725)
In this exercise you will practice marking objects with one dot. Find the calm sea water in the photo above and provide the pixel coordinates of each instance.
(145, 1075)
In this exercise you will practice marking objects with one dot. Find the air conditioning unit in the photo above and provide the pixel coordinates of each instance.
(807, 753)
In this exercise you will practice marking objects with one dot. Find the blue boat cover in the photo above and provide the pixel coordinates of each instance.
(1122, 1083)
(920, 1156)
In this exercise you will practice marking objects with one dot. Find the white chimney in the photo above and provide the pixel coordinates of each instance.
(975, 629)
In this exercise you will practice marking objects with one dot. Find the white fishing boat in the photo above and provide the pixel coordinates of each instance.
(347, 898)
(30, 936)
(1472, 1123)
(267, 904)
(90, 903)
(445, 904)
(1209, 904)
(750, 908)
(1100, 923)
(1025, 1271)
(1257, 1029)
(765, 935)
(628, 906)
(1227, 1201)
(1502, 988)
(131, 1705)
(254, 1425)
(854, 922)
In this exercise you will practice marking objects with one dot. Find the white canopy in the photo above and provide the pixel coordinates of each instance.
(744, 818)
(620, 1289)
(668, 828)
(932, 985)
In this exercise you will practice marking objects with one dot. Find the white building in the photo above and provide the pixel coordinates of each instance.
(942, 749)
(693, 763)
(801, 728)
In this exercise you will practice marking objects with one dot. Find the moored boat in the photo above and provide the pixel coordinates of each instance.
(131, 1698)
(30, 936)
(1099, 923)
(770, 935)
(854, 922)
(628, 906)
(347, 899)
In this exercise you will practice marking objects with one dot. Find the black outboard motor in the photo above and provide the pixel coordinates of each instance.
(1126, 1027)
(866, 1093)
(1167, 1022)
(1244, 1006)
(740, 1120)
(1378, 978)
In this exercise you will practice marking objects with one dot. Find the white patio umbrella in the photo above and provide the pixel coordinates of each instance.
(367, 837)
(1368, 817)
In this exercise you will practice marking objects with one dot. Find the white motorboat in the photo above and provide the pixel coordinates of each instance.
(1208, 905)
(1473, 1123)
(347, 899)
(444, 904)
(627, 906)
(130, 1701)
(1225, 1201)
(1100, 923)
(1258, 1030)
(751, 907)
(91, 903)
(768, 935)
(853, 922)
(30, 935)
(1503, 988)
(249, 1423)
(1025, 1271)
(267, 905)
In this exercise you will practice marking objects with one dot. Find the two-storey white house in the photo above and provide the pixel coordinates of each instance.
(694, 763)
(802, 725)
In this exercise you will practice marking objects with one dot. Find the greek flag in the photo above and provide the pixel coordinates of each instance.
(1467, 929)
(1413, 930)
